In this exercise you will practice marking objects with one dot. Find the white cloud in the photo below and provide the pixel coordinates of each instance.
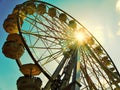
(118, 10)
(110, 35)
(118, 23)
(118, 6)
(118, 33)
(97, 31)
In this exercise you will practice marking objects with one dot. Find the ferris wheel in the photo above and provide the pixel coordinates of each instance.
(56, 52)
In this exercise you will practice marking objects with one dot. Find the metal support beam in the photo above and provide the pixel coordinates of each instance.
(72, 65)
(76, 73)
(56, 73)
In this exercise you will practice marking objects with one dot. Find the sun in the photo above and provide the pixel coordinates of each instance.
(118, 6)
(80, 36)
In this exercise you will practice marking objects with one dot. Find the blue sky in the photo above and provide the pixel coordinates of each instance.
(100, 17)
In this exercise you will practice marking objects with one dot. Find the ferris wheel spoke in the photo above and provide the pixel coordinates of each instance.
(91, 65)
(47, 45)
(49, 25)
(41, 36)
(58, 28)
(41, 30)
(100, 72)
(107, 62)
(52, 58)
(88, 79)
(47, 38)
(38, 24)
(52, 45)
(48, 56)
(37, 47)
(83, 82)
(110, 75)
(33, 46)
(42, 48)
(94, 71)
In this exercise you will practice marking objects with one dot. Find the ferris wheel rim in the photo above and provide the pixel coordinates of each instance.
(48, 47)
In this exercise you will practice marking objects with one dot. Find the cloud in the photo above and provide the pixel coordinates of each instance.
(118, 10)
(110, 35)
(118, 23)
(98, 33)
(118, 6)
(118, 33)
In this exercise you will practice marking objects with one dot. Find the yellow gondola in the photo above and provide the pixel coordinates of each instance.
(112, 69)
(105, 61)
(29, 83)
(15, 38)
(41, 9)
(30, 69)
(13, 16)
(117, 88)
(30, 8)
(52, 12)
(10, 26)
(90, 41)
(12, 50)
(22, 12)
(62, 17)
(72, 24)
(98, 50)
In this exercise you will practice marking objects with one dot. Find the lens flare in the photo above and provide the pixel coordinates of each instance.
(79, 36)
